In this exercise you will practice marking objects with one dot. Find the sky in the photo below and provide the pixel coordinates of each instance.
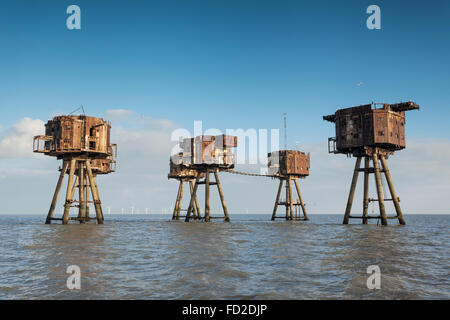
(151, 67)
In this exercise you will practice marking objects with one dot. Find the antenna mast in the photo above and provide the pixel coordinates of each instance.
(285, 130)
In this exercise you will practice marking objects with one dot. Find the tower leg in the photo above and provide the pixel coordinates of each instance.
(222, 198)
(291, 200)
(352, 191)
(193, 197)
(379, 189)
(287, 199)
(70, 191)
(175, 209)
(392, 190)
(305, 215)
(197, 207)
(207, 200)
(75, 186)
(95, 194)
(280, 187)
(366, 191)
(56, 194)
(99, 211)
(87, 197)
(82, 207)
(180, 200)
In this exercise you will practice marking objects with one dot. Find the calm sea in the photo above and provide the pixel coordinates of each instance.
(151, 257)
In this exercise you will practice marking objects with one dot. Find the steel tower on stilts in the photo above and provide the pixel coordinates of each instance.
(288, 166)
(201, 157)
(371, 132)
(83, 144)
(184, 175)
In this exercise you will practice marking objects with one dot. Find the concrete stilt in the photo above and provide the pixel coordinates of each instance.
(305, 215)
(352, 191)
(57, 191)
(395, 199)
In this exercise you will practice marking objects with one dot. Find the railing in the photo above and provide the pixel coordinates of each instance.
(113, 165)
(332, 145)
(113, 150)
(40, 147)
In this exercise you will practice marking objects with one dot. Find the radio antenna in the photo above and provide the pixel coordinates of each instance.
(77, 110)
(285, 130)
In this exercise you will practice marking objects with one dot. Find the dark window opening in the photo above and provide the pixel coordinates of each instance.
(92, 145)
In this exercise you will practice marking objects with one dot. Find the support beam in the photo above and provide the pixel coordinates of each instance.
(379, 189)
(352, 191)
(392, 190)
(180, 201)
(305, 215)
(69, 193)
(195, 208)
(280, 187)
(177, 202)
(193, 197)
(95, 193)
(75, 186)
(199, 215)
(222, 198)
(287, 199)
(207, 199)
(87, 197)
(82, 204)
(291, 208)
(57, 191)
(366, 190)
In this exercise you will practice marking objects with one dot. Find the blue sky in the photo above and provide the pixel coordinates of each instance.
(231, 64)
(228, 63)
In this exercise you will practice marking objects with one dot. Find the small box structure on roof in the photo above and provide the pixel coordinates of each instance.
(200, 157)
(83, 144)
(288, 162)
(373, 132)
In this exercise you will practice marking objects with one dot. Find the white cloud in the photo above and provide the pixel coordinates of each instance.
(17, 141)
(141, 136)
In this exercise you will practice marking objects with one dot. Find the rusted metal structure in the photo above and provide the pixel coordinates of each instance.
(373, 132)
(83, 144)
(202, 156)
(289, 166)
